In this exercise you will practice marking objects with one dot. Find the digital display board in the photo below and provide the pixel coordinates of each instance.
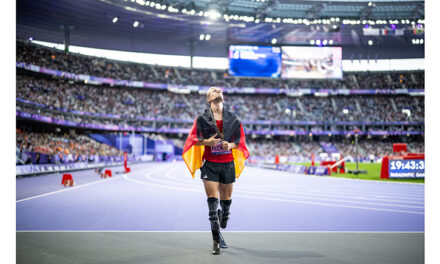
(407, 169)
(254, 61)
(311, 62)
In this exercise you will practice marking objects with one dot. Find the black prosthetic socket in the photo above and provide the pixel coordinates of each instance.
(224, 213)
(213, 218)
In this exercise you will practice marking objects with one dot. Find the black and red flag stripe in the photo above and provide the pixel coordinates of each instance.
(204, 127)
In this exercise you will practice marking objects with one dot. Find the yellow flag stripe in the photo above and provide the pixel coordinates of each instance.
(239, 161)
(193, 158)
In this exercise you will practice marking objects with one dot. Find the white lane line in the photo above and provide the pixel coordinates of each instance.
(307, 195)
(271, 199)
(373, 193)
(335, 178)
(161, 186)
(402, 196)
(408, 193)
(262, 193)
(67, 189)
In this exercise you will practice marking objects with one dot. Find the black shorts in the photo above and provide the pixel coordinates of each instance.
(218, 172)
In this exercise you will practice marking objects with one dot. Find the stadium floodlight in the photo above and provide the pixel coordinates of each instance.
(370, 3)
(312, 42)
(152, 4)
(421, 41)
(330, 42)
(324, 42)
(318, 42)
(208, 37)
(115, 19)
(213, 14)
(135, 24)
(413, 41)
(257, 21)
(417, 41)
(202, 37)
(345, 111)
(370, 42)
(274, 41)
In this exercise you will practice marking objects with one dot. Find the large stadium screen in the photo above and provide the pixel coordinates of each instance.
(312, 62)
(254, 61)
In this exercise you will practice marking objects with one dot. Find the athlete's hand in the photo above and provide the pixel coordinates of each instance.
(226, 145)
(212, 141)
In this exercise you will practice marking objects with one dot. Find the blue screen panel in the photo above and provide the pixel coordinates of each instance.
(254, 61)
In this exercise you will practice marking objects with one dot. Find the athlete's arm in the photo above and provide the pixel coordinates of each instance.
(212, 141)
(229, 146)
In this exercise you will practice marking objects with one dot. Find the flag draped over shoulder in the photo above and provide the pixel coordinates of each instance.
(204, 127)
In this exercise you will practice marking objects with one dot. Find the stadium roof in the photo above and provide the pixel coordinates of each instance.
(311, 9)
(174, 26)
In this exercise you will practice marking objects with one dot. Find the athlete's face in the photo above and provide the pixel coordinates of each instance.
(215, 95)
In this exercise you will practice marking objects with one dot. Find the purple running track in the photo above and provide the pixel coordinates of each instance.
(164, 197)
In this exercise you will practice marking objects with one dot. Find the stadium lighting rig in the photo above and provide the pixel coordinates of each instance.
(321, 42)
(214, 14)
(205, 37)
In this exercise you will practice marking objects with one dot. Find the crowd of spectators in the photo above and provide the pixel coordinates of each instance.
(81, 64)
(375, 148)
(60, 147)
(129, 103)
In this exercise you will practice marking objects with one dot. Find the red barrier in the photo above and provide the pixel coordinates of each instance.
(384, 170)
(334, 169)
(399, 147)
(127, 169)
(66, 177)
(108, 173)
(329, 164)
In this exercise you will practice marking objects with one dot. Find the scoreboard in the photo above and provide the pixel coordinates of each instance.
(406, 168)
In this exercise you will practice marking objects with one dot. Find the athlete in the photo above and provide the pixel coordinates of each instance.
(216, 145)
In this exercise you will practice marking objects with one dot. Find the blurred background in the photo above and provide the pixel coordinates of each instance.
(99, 78)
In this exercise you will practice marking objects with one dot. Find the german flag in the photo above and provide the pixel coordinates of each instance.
(205, 127)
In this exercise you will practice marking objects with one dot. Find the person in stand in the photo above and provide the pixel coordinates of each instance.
(216, 144)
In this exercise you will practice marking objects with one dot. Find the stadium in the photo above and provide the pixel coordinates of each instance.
(128, 112)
